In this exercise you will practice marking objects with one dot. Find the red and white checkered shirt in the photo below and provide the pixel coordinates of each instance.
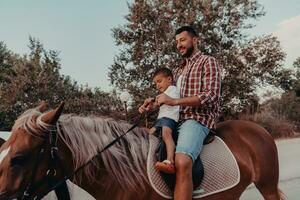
(200, 76)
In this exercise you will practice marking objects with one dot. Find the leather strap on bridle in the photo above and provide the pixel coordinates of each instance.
(61, 191)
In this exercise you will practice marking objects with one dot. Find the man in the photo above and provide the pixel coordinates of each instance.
(199, 81)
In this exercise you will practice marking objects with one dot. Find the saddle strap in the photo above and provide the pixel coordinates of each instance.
(210, 137)
(62, 192)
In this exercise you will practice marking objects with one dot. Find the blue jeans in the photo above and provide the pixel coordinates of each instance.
(191, 135)
(164, 121)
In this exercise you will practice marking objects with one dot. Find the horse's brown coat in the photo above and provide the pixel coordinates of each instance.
(252, 146)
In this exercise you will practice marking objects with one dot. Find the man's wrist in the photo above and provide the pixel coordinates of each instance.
(176, 102)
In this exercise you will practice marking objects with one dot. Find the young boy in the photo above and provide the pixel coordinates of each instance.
(167, 118)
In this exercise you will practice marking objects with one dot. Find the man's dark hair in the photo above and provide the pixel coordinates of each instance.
(191, 31)
(164, 71)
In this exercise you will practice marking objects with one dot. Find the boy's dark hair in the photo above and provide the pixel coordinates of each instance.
(191, 31)
(165, 71)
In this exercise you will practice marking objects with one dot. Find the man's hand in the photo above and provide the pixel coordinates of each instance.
(148, 105)
(165, 99)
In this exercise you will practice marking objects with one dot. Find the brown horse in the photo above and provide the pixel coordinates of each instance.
(120, 171)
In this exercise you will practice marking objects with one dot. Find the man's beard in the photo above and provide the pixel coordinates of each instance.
(189, 52)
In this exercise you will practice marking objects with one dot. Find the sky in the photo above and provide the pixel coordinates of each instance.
(81, 32)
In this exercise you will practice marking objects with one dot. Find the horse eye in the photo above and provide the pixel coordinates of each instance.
(18, 160)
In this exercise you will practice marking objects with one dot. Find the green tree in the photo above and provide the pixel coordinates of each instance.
(296, 80)
(5, 66)
(148, 43)
(29, 79)
(6, 71)
(285, 111)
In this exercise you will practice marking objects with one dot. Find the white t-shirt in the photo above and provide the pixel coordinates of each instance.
(178, 84)
(171, 112)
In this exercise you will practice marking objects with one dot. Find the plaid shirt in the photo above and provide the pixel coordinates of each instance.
(201, 76)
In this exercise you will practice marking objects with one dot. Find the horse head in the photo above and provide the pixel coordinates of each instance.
(25, 158)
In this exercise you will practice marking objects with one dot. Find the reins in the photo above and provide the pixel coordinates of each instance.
(63, 181)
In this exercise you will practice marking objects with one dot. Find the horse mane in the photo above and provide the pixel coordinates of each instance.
(84, 136)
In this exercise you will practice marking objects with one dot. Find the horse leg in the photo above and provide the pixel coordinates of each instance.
(267, 175)
(267, 184)
(269, 192)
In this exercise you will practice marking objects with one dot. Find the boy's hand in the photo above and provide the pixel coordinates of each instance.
(147, 106)
(165, 99)
(142, 109)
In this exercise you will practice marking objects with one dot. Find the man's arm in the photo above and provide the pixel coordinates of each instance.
(186, 101)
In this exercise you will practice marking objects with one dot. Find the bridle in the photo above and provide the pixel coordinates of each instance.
(55, 163)
(59, 186)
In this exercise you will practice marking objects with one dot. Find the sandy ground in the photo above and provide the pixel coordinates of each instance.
(289, 161)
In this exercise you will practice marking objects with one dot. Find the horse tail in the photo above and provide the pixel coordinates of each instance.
(282, 195)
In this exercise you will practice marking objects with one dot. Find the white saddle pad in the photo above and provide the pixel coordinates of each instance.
(221, 171)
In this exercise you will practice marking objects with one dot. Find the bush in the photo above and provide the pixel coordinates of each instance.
(275, 125)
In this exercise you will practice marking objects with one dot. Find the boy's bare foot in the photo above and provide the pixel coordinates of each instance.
(165, 166)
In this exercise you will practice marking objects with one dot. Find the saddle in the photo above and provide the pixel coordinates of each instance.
(198, 169)
(216, 171)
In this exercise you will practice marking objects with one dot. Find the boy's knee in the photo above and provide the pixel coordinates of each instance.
(166, 129)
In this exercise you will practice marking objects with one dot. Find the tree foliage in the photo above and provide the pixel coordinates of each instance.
(296, 81)
(147, 41)
(282, 115)
(29, 79)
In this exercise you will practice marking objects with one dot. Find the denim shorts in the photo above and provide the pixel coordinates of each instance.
(164, 121)
(191, 135)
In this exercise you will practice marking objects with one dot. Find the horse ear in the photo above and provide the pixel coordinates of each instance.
(44, 106)
(52, 116)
